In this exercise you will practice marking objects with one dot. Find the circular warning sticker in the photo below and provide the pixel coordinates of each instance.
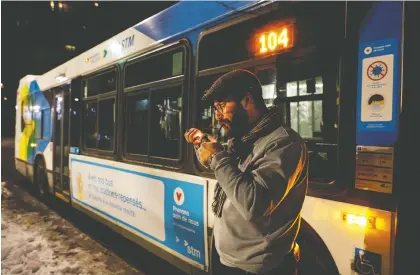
(377, 70)
(368, 50)
(179, 196)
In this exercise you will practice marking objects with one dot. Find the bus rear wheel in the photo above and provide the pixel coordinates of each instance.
(40, 178)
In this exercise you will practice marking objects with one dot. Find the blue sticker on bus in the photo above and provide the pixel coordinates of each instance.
(184, 213)
(379, 73)
(366, 262)
(377, 106)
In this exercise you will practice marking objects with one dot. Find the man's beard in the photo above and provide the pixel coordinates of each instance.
(239, 125)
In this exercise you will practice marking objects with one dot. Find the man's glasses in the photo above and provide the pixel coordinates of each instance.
(219, 107)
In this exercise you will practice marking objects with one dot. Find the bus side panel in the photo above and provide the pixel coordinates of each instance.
(25, 130)
(166, 209)
(33, 128)
(19, 165)
(360, 239)
(24, 134)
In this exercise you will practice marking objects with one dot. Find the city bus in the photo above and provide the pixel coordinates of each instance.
(104, 131)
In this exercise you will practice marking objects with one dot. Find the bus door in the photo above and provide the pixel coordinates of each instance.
(61, 142)
(307, 94)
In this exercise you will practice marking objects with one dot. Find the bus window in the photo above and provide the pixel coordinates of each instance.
(39, 127)
(37, 115)
(41, 114)
(302, 103)
(165, 122)
(171, 64)
(46, 118)
(154, 104)
(99, 116)
(138, 106)
(26, 113)
(100, 84)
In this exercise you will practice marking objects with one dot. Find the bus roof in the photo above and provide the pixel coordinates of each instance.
(162, 28)
(26, 80)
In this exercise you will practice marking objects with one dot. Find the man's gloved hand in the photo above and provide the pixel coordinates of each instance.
(206, 150)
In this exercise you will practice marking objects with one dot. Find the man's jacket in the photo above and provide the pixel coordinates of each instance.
(265, 192)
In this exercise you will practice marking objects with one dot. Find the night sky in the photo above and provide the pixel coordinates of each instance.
(34, 38)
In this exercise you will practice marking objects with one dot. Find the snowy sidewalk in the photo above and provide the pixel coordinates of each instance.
(35, 240)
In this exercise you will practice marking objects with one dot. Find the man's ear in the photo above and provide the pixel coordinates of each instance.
(247, 99)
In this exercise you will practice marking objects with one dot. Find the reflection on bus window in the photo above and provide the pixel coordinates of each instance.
(75, 120)
(166, 122)
(268, 82)
(291, 89)
(306, 117)
(59, 107)
(303, 87)
(137, 123)
(90, 134)
(106, 124)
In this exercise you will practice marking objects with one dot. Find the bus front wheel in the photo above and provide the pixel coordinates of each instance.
(315, 257)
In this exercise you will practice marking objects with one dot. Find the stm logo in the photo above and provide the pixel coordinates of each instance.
(192, 251)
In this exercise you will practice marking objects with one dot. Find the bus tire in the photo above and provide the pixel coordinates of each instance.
(40, 178)
(315, 257)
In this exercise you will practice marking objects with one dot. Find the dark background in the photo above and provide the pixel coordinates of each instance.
(34, 37)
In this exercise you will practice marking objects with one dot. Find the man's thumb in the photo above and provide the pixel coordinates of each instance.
(212, 139)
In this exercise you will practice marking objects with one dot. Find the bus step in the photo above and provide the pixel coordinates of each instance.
(63, 196)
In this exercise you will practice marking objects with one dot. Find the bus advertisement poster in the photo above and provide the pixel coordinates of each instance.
(165, 210)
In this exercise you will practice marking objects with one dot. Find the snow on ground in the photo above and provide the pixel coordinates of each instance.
(33, 242)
